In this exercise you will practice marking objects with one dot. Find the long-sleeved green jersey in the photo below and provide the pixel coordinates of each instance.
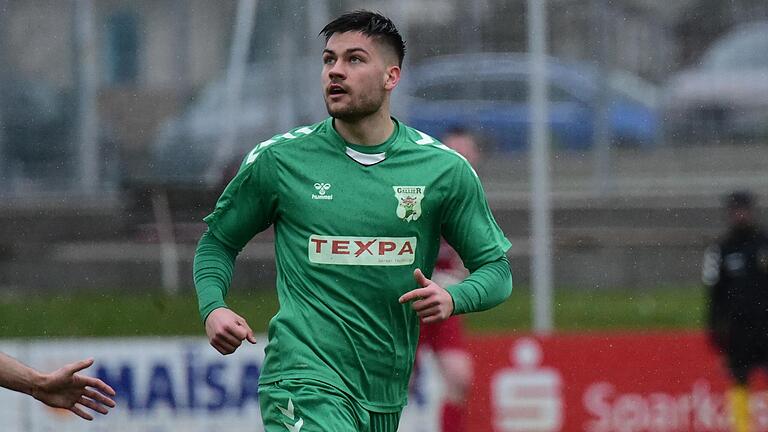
(351, 225)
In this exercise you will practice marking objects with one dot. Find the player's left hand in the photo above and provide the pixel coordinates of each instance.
(433, 303)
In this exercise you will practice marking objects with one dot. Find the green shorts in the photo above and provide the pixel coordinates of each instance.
(298, 405)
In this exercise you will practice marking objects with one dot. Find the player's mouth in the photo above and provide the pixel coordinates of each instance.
(336, 90)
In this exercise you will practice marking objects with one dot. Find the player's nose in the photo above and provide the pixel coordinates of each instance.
(336, 71)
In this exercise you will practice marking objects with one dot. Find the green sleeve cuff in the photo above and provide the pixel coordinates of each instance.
(485, 288)
(206, 309)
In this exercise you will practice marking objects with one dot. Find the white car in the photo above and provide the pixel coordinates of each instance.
(726, 94)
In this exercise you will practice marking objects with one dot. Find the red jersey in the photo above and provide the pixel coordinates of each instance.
(449, 334)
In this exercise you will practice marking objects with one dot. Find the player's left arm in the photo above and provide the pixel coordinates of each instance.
(470, 228)
(486, 287)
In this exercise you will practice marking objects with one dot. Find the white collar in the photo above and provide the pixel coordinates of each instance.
(366, 159)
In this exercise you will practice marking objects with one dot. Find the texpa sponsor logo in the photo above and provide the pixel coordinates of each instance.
(371, 251)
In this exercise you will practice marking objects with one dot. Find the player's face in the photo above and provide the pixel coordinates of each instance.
(357, 76)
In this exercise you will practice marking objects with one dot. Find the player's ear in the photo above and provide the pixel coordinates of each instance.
(391, 77)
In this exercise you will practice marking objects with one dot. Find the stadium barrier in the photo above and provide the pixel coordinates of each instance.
(168, 385)
(613, 382)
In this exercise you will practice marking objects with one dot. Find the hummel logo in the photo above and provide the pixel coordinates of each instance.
(289, 413)
(322, 189)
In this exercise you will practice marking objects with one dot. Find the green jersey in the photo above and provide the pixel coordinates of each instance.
(351, 225)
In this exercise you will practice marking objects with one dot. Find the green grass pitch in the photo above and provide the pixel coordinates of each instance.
(108, 315)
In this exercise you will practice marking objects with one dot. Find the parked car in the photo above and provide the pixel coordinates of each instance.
(725, 95)
(488, 93)
(187, 146)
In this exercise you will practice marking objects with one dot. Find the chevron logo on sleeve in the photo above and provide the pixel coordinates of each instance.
(288, 412)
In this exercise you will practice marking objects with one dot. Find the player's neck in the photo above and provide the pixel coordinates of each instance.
(370, 130)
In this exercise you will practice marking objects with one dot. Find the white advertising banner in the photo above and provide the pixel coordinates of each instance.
(170, 385)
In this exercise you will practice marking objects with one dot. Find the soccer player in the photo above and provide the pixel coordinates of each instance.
(358, 203)
(735, 271)
(63, 388)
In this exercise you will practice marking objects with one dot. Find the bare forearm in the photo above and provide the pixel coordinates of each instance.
(16, 376)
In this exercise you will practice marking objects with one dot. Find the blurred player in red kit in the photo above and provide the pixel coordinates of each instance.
(446, 338)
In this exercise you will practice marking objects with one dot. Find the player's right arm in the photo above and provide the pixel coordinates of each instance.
(245, 208)
(213, 266)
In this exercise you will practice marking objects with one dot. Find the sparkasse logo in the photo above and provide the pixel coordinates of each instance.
(369, 251)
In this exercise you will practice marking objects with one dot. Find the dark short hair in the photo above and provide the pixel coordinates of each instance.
(739, 200)
(371, 24)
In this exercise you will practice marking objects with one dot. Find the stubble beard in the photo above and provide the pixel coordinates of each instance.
(357, 110)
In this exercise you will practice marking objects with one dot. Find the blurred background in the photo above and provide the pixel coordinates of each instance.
(116, 116)
(121, 122)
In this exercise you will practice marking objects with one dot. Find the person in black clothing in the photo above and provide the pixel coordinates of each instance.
(735, 271)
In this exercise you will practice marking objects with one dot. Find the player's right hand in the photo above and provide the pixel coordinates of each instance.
(226, 330)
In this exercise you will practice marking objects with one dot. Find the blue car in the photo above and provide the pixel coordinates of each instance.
(488, 94)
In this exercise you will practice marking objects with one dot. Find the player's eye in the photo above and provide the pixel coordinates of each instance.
(355, 59)
(328, 60)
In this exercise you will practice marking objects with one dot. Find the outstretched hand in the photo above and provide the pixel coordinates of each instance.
(64, 388)
(226, 330)
(432, 302)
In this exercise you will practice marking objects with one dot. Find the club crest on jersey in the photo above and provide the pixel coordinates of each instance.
(409, 201)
